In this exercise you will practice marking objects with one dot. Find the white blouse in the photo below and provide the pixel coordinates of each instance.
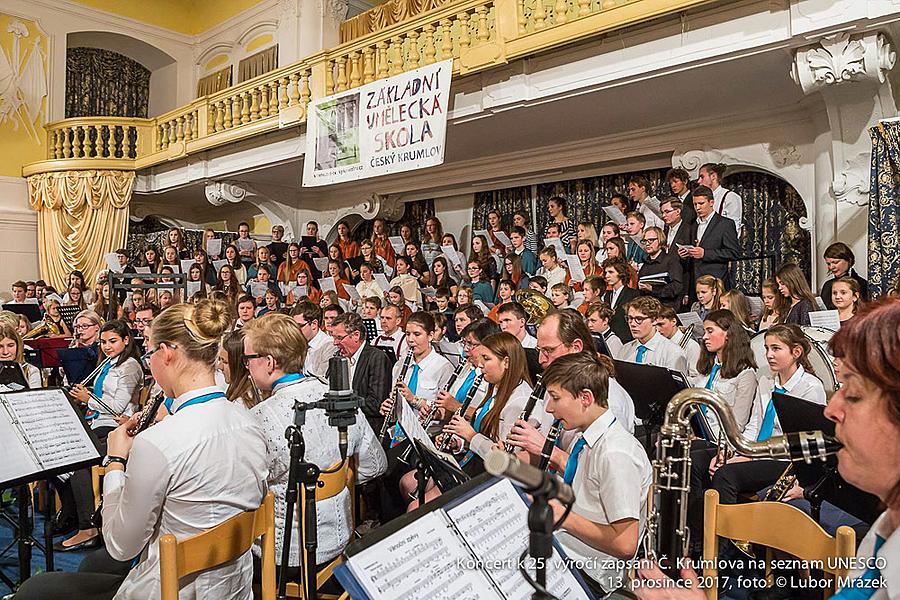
(121, 389)
(481, 444)
(800, 385)
(737, 392)
(191, 471)
(434, 372)
(333, 516)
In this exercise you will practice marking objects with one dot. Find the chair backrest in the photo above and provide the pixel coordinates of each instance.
(776, 525)
(332, 483)
(224, 542)
(97, 472)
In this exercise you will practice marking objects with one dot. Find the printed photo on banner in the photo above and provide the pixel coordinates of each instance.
(388, 126)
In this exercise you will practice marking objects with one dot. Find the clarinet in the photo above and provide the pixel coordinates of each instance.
(547, 450)
(385, 427)
(536, 394)
(149, 414)
(461, 411)
(432, 413)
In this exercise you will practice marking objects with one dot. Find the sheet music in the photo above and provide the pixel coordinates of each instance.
(351, 291)
(52, 427)
(397, 244)
(616, 215)
(576, 271)
(494, 523)
(412, 428)
(382, 281)
(326, 284)
(503, 238)
(245, 245)
(186, 264)
(321, 263)
(17, 460)
(558, 245)
(112, 261)
(689, 318)
(829, 319)
(218, 264)
(214, 247)
(426, 560)
(193, 287)
(142, 270)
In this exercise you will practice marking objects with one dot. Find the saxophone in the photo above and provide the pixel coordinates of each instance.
(668, 535)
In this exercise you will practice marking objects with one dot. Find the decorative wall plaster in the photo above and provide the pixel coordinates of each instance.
(843, 58)
(783, 154)
(23, 80)
(274, 203)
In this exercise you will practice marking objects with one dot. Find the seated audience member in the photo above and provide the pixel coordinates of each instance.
(275, 350)
(840, 260)
(597, 317)
(618, 296)
(649, 346)
(716, 244)
(606, 467)
(660, 275)
(793, 286)
(191, 471)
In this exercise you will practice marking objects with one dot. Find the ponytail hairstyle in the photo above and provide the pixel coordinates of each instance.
(123, 330)
(793, 337)
(717, 168)
(717, 286)
(736, 355)
(504, 346)
(196, 329)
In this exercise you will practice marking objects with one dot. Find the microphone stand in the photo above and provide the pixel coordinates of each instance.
(340, 405)
(540, 541)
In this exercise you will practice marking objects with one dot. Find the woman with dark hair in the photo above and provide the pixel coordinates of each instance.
(381, 242)
(793, 286)
(233, 256)
(523, 219)
(615, 250)
(349, 247)
(494, 225)
(512, 271)
(76, 279)
(419, 268)
(291, 265)
(228, 284)
(208, 271)
(336, 255)
(152, 259)
(367, 251)
(175, 238)
(431, 239)
(111, 401)
(440, 275)
(231, 363)
(557, 208)
(839, 260)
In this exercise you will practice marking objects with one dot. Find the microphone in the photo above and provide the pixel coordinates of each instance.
(534, 481)
(340, 402)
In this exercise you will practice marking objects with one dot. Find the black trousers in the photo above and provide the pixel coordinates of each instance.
(99, 577)
(76, 495)
(745, 478)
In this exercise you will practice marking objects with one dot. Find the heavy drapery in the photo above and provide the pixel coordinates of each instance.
(82, 215)
(257, 64)
(508, 201)
(383, 15)
(884, 208)
(214, 82)
(103, 83)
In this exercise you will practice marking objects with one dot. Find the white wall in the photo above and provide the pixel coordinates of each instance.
(18, 251)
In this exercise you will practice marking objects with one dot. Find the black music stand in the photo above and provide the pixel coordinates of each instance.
(68, 314)
(32, 311)
(821, 480)
(371, 329)
(651, 388)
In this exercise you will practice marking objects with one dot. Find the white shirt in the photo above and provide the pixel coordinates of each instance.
(529, 341)
(729, 204)
(738, 392)
(610, 484)
(320, 339)
(691, 352)
(32, 376)
(621, 405)
(673, 231)
(702, 224)
(333, 516)
(557, 275)
(121, 388)
(509, 414)
(354, 360)
(800, 385)
(614, 299)
(661, 352)
(434, 371)
(410, 287)
(613, 342)
(396, 342)
(191, 471)
(889, 551)
(650, 217)
(317, 357)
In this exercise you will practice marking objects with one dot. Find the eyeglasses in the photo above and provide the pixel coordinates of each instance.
(144, 322)
(669, 211)
(145, 358)
(632, 319)
(467, 345)
(548, 351)
(83, 327)
(303, 324)
(646, 241)
(246, 358)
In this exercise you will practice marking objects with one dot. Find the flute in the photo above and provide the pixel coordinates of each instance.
(447, 387)
(536, 394)
(385, 427)
(445, 443)
(547, 450)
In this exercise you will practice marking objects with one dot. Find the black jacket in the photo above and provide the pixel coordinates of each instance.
(372, 381)
(617, 322)
(669, 264)
(720, 246)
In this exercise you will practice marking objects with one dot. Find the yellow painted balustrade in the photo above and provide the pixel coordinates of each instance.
(477, 34)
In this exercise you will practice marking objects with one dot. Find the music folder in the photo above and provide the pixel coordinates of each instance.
(464, 544)
(796, 415)
(43, 435)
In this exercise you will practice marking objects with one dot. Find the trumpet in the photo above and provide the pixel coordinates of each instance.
(547, 450)
(668, 535)
(395, 393)
(461, 411)
(536, 394)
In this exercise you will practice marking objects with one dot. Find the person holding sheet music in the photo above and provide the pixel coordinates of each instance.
(381, 242)
(245, 245)
(367, 252)
(75, 297)
(606, 467)
(793, 286)
(660, 275)
(518, 237)
(495, 225)
(338, 274)
(196, 284)
(550, 268)
(112, 400)
(175, 238)
(305, 282)
(274, 351)
(151, 259)
(291, 265)
(234, 260)
(262, 262)
(209, 272)
(481, 288)
(367, 286)
(440, 274)
(11, 350)
(261, 282)
(787, 353)
(405, 280)
(193, 470)
(170, 258)
(586, 252)
(228, 284)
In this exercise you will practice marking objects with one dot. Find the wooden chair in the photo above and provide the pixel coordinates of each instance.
(776, 525)
(332, 485)
(224, 542)
(97, 473)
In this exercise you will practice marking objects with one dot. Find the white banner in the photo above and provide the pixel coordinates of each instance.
(389, 126)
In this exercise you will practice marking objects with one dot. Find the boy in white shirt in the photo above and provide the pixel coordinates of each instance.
(607, 469)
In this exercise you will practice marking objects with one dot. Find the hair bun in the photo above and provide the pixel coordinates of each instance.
(211, 319)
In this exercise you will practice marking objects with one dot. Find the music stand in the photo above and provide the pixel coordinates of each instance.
(68, 314)
(371, 329)
(48, 347)
(651, 388)
(819, 479)
(77, 363)
(12, 376)
(31, 311)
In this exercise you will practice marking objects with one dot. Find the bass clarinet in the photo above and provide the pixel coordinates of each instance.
(395, 393)
(668, 536)
(432, 412)
(547, 450)
(461, 411)
(536, 394)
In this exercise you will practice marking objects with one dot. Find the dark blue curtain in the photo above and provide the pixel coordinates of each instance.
(414, 215)
(884, 209)
(508, 201)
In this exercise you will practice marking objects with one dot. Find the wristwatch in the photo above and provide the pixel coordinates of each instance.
(114, 459)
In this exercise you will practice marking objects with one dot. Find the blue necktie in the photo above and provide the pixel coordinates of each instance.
(466, 386)
(768, 423)
(642, 349)
(412, 385)
(485, 407)
(857, 589)
(98, 383)
(712, 377)
(572, 463)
